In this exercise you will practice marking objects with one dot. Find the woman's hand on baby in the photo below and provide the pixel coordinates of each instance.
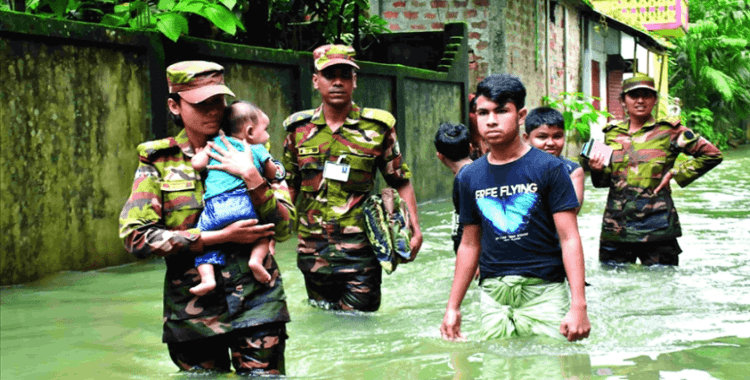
(231, 160)
(247, 231)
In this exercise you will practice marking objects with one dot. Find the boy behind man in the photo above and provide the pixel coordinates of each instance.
(510, 229)
(452, 143)
(545, 130)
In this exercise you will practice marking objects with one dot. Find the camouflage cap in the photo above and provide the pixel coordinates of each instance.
(638, 81)
(328, 55)
(196, 81)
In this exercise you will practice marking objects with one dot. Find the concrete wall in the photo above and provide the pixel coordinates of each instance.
(78, 99)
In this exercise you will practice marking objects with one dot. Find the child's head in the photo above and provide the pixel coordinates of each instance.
(500, 109)
(545, 130)
(452, 141)
(244, 121)
(503, 88)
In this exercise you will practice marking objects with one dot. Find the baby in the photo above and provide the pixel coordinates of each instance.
(226, 199)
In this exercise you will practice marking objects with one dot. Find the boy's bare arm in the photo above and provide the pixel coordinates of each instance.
(577, 178)
(467, 259)
(576, 323)
(200, 159)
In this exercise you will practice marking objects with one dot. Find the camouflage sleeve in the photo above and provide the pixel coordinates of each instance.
(141, 223)
(394, 169)
(274, 205)
(705, 157)
(289, 160)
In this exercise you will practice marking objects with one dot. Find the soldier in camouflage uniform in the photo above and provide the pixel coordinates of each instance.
(159, 219)
(331, 155)
(640, 220)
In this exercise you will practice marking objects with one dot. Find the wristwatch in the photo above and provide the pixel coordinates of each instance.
(280, 171)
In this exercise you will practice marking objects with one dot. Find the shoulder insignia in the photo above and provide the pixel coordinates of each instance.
(296, 118)
(672, 121)
(382, 116)
(612, 125)
(686, 138)
(151, 148)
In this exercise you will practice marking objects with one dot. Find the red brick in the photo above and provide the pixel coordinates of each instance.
(418, 27)
(399, 4)
(475, 35)
(479, 25)
(482, 3)
(390, 14)
(439, 4)
(482, 45)
(430, 16)
(452, 15)
(437, 25)
(394, 27)
(470, 13)
(411, 15)
(460, 4)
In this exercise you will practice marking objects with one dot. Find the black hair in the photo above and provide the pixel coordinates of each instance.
(544, 115)
(234, 119)
(473, 104)
(503, 88)
(452, 141)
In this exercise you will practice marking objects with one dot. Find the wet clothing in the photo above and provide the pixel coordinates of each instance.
(522, 306)
(664, 252)
(571, 166)
(639, 162)
(514, 204)
(256, 351)
(331, 226)
(219, 181)
(457, 232)
(358, 290)
(159, 219)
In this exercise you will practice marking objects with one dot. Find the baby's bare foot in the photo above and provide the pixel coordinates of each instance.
(203, 288)
(259, 272)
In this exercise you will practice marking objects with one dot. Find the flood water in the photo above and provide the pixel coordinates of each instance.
(689, 322)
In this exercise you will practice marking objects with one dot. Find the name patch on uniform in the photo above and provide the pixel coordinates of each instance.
(306, 151)
(178, 185)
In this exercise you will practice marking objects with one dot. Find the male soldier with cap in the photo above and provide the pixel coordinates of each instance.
(331, 155)
(159, 220)
(640, 220)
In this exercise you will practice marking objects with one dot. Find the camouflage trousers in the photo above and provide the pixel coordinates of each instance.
(255, 351)
(663, 252)
(358, 290)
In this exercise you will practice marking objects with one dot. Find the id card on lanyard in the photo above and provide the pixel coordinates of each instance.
(337, 171)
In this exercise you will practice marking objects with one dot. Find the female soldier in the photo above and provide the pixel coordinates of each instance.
(159, 219)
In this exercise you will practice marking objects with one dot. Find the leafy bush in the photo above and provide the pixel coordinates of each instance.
(578, 111)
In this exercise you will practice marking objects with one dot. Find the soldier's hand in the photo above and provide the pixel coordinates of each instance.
(664, 184)
(247, 231)
(231, 160)
(596, 162)
(415, 244)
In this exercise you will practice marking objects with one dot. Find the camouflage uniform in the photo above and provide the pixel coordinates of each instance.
(331, 226)
(634, 214)
(159, 219)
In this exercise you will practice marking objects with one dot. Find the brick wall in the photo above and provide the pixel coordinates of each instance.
(614, 87)
(413, 15)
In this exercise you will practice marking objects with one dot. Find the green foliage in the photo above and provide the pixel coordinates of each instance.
(578, 111)
(710, 66)
(701, 121)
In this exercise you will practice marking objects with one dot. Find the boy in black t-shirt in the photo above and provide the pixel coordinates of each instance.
(452, 145)
(545, 130)
(514, 203)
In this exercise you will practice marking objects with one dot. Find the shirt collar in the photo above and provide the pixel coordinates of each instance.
(182, 141)
(351, 118)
